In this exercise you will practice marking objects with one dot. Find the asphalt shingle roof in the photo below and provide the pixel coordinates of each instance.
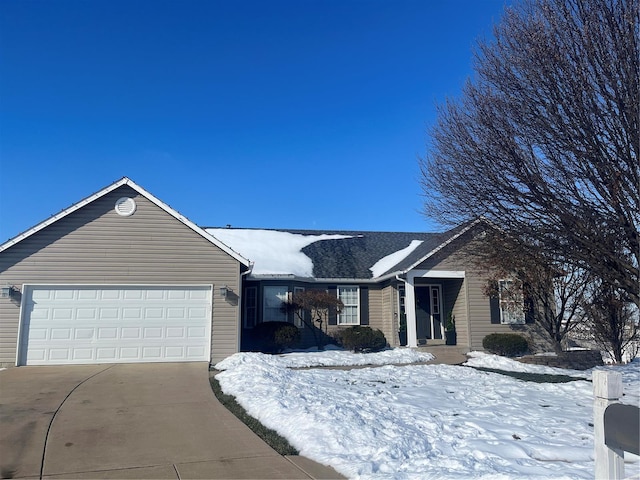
(348, 255)
(353, 257)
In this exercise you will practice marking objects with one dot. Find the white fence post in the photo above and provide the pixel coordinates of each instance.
(607, 389)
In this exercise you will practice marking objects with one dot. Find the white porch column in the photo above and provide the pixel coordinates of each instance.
(410, 310)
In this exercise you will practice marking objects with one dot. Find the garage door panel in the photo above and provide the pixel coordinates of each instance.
(61, 313)
(110, 294)
(64, 294)
(106, 354)
(115, 324)
(86, 314)
(88, 294)
(154, 313)
(60, 334)
(133, 294)
(84, 333)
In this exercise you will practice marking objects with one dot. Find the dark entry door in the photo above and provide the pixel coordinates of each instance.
(423, 314)
(428, 313)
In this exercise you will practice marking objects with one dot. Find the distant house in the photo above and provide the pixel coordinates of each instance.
(122, 277)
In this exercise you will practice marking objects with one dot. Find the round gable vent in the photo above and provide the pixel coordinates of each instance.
(125, 206)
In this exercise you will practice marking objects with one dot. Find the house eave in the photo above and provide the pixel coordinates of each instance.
(298, 278)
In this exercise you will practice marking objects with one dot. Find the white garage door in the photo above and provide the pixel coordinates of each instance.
(115, 324)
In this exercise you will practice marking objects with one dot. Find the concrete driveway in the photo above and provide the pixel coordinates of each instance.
(129, 421)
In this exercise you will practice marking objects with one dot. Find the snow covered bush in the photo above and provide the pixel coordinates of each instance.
(274, 337)
(362, 339)
(505, 344)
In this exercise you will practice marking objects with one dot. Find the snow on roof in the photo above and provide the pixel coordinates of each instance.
(385, 264)
(272, 251)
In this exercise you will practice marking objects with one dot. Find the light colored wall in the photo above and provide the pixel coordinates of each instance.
(95, 245)
(390, 310)
(378, 317)
(455, 301)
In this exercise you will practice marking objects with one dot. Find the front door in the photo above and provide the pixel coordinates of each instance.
(428, 313)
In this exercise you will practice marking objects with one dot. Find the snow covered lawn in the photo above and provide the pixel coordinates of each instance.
(421, 421)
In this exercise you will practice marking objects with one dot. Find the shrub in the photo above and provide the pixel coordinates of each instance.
(274, 337)
(362, 339)
(505, 344)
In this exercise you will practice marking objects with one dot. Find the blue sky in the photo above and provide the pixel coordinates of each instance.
(303, 114)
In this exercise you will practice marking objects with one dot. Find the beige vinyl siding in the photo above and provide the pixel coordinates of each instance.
(377, 317)
(95, 245)
(480, 317)
(389, 309)
(455, 301)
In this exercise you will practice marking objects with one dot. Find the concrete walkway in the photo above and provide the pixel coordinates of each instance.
(445, 354)
(122, 421)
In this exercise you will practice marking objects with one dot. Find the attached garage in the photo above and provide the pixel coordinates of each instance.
(114, 324)
(119, 277)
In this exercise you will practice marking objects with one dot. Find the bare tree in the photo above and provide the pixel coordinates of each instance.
(613, 322)
(313, 307)
(553, 291)
(545, 140)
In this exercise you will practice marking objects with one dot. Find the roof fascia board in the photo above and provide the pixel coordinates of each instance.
(443, 244)
(63, 213)
(289, 277)
(125, 181)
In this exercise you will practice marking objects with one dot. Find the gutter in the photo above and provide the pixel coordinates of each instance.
(292, 277)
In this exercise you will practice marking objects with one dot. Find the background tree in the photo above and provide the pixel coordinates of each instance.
(611, 322)
(545, 140)
(313, 308)
(545, 143)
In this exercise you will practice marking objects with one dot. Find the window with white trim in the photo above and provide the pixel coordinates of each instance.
(350, 297)
(250, 306)
(511, 302)
(272, 298)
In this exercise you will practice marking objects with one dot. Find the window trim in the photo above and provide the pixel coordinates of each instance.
(511, 309)
(339, 316)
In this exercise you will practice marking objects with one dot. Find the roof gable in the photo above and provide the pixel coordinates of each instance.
(128, 182)
(425, 252)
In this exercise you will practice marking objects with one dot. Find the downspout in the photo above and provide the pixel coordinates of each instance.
(403, 280)
(240, 291)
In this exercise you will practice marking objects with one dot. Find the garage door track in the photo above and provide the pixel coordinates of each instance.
(129, 421)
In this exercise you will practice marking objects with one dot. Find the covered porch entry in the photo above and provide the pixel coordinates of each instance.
(430, 297)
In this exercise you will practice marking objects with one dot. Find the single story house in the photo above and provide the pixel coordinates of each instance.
(122, 277)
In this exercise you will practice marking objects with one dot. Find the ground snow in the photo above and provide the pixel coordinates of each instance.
(330, 358)
(420, 421)
(487, 360)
